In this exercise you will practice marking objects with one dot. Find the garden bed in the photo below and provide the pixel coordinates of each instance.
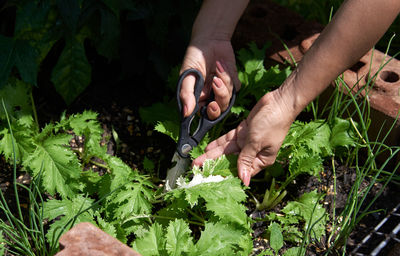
(116, 156)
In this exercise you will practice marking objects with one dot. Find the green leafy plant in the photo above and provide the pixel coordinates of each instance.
(23, 234)
(368, 170)
(39, 25)
(275, 236)
(202, 201)
(121, 200)
(300, 220)
(304, 150)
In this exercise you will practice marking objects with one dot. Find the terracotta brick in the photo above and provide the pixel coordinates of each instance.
(86, 239)
(265, 21)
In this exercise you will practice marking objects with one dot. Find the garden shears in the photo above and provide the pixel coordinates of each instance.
(188, 141)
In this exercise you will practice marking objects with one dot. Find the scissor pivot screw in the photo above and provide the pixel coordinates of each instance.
(186, 149)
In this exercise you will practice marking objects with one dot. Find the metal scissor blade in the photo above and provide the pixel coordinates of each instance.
(175, 172)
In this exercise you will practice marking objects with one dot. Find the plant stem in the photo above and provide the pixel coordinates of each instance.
(334, 201)
(35, 117)
(195, 215)
(100, 165)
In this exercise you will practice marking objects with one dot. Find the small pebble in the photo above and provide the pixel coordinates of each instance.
(130, 129)
(127, 110)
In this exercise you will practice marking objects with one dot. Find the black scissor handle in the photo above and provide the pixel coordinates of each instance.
(205, 124)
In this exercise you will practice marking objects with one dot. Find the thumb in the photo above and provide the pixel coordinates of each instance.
(245, 162)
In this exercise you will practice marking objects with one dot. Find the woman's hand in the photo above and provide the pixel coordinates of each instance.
(257, 139)
(216, 61)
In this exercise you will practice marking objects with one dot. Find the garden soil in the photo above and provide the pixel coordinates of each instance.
(118, 101)
(118, 110)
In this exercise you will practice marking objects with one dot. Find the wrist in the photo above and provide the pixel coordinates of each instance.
(217, 19)
(289, 98)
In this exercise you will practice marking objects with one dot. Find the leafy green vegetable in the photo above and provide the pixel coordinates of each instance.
(342, 134)
(307, 209)
(16, 97)
(160, 112)
(152, 243)
(68, 209)
(306, 213)
(308, 144)
(294, 251)
(148, 165)
(252, 58)
(256, 80)
(226, 224)
(224, 166)
(133, 199)
(22, 140)
(219, 239)
(178, 238)
(59, 165)
(168, 128)
(275, 237)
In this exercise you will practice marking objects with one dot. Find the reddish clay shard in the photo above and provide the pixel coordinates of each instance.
(86, 239)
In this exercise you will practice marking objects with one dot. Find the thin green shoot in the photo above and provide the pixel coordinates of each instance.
(23, 238)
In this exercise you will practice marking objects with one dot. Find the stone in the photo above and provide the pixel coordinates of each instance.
(86, 239)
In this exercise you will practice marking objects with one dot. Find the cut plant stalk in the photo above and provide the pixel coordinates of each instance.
(272, 197)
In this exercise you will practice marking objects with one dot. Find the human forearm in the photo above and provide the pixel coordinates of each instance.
(356, 27)
(217, 19)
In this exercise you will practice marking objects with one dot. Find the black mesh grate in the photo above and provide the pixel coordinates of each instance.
(383, 237)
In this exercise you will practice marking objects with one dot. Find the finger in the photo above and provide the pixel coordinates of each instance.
(231, 135)
(213, 110)
(221, 93)
(245, 162)
(226, 149)
(229, 75)
(223, 73)
(187, 95)
(265, 158)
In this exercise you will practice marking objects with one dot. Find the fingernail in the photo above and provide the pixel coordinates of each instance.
(217, 82)
(220, 67)
(246, 178)
(213, 108)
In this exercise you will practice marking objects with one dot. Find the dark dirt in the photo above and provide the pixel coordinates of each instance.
(118, 110)
(118, 107)
(345, 178)
(118, 102)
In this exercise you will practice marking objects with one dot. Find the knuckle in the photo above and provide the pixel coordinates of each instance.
(246, 160)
